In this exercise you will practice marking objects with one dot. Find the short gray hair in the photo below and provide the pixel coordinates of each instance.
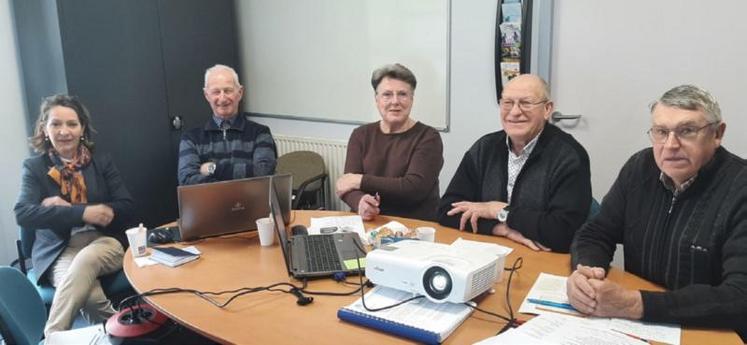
(691, 97)
(394, 71)
(224, 68)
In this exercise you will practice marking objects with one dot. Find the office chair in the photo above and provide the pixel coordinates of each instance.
(22, 310)
(115, 285)
(309, 178)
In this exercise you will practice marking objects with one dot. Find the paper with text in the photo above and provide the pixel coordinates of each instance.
(440, 318)
(552, 288)
(563, 330)
(341, 224)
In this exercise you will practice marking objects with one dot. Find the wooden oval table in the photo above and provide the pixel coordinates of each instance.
(237, 261)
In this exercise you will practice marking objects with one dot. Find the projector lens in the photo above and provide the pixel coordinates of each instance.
(437, 282)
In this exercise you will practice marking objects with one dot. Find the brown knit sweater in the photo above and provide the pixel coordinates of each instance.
(402, 167)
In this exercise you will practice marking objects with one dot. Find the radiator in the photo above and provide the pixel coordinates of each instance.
(333, 152)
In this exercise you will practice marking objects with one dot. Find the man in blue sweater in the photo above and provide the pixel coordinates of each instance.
(680, 210)
(229, 146)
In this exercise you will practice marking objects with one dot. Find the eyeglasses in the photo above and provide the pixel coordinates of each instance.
(686, 133)
(388, 95)
(524, 105)
(228, 91)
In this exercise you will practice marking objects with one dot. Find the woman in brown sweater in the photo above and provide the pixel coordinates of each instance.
(392, 165)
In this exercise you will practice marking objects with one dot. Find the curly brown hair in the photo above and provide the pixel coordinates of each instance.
(39, 140)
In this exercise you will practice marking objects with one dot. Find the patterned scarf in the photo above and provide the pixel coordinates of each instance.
(68, 175)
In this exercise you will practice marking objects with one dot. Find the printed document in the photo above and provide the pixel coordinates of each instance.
(550, 297)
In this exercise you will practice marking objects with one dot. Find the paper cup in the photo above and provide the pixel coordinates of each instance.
(266, 229)
(137, 239)
(426, 234)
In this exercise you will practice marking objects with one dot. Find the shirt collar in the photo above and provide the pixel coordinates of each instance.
(527, 149)
(218, 120)
(669, 184)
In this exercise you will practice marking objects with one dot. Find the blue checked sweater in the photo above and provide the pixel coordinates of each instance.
(246, 149)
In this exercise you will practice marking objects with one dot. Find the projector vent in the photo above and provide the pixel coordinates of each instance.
(483, 280)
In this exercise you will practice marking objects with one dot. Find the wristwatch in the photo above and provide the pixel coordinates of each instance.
(503, 214)
(211, 168)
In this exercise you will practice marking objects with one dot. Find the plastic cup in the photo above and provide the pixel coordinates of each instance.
(266, 230)
(137, 239)
(426, 234)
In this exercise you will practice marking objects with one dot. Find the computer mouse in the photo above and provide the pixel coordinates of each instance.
(299, 230)
(160, 237)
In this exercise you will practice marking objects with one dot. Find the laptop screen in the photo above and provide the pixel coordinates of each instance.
(277, 218)
(217, 208)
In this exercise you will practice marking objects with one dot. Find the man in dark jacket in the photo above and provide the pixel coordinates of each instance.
(229, 146)
(529, 182)
(680, 210)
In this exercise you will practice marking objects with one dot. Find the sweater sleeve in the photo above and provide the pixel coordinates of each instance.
(595, 242)
(30, 214)
(189, 163)
(464, 186)
(354, 165)
(421, 175)
(723, 305)
(265, 155)
(120, 199)
(567, 207)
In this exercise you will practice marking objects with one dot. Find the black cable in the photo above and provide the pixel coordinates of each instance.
(488, 312)
(517, 264)
(510, 320)
(368, 282)
(131, 301)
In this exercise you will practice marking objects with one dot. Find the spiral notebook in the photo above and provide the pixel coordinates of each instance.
(420, 320)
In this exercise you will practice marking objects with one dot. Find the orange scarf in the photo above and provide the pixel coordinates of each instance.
(68, 175)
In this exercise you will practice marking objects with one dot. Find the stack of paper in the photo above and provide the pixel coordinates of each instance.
(172, 256)
(548, 297)
(338, 224)
(560, 329)
(420, 320)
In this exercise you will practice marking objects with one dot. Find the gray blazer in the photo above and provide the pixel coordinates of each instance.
(52, 225)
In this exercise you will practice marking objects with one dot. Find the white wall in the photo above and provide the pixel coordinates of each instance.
(612, 58)
(474, 108)
(13, 148)
(609, 60)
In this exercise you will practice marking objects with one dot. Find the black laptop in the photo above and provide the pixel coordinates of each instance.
(309, 256)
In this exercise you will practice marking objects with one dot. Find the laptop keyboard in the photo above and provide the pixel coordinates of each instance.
(321, 254)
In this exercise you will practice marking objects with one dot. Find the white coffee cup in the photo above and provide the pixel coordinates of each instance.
(266, 230)
(426, 233)
(137, 238)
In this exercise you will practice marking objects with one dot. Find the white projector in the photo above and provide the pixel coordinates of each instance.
(441, 272)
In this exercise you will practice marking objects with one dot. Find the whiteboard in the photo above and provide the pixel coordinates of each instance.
(312, 60)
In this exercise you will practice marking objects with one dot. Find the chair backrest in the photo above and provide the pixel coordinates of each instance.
(27, 238)
(21, 309)
(304, 166)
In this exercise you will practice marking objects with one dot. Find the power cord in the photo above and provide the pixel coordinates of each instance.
(134, 300)
(511, 321)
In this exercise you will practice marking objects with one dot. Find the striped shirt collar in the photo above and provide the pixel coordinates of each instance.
(669, 184)
(231, 120)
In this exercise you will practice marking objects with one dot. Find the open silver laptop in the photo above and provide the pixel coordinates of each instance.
(308, 256)
(218, 208)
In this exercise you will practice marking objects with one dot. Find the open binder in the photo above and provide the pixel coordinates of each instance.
(420, 320)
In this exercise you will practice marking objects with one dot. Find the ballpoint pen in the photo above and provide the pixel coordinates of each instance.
(551, 304)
